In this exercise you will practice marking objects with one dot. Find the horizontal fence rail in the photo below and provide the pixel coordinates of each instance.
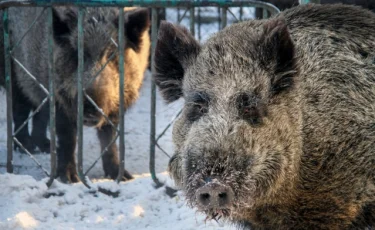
(140, 3)
(224, 9)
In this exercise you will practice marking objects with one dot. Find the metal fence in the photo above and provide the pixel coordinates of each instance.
(184, 7)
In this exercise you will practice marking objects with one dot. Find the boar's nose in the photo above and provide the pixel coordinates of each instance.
(214, 196)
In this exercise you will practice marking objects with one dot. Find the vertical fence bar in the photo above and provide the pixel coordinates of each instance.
(80, 95)
(154, 33)
(241, 13)
(8, 85)
(219, 18)
(224, 17)
(192, 21)
(52, 112)
(199, 24)
(121, 49)
(265, 13)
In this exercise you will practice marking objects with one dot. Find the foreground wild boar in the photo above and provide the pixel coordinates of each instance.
(278, 127)
(100, 25)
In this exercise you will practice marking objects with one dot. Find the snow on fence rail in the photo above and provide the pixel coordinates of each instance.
(224, 8)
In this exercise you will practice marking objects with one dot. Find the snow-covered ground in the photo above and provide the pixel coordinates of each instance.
(26, 203)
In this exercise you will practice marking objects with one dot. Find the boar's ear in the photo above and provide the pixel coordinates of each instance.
(278, 54)
(175, 49)
(64, 20)
(137, 22)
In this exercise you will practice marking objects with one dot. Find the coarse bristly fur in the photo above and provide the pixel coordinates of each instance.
(100, 54)
(282, 111)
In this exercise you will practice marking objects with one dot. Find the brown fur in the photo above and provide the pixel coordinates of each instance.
(135, 66)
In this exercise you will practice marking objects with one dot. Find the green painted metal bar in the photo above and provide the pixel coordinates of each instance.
(241, 13)
(199, 24)
(154, 34)
(309, 1)
(224, 17)
(265, 13)
(81, 175)
(192, 20)
(52, 111)
(121, 50)
(219, 18)
(8, 84)
(145, 3)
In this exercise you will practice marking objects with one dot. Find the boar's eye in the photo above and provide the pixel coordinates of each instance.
(197, 105)
(250, 109)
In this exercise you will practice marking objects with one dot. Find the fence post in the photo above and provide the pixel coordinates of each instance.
(154, 31)
(241, 13)
(8, 84)
(121, 49)
(192, 21)
(223, 17)
(80, 96)
(52, 111)
(265, 14)
(199, 24)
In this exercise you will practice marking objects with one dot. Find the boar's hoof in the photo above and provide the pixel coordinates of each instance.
(113, 173)
(68, 174)
(43, 144)
(26, 143)
(214, 196)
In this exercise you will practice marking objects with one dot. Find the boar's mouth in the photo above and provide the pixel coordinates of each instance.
(206, 179)
(217, 214)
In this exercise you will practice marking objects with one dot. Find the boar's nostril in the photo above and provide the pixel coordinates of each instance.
(214, 195)
(204, 199)
(222, 195)
(223, 199)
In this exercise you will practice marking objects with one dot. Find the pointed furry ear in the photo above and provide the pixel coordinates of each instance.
(175, 50)
(279, 53)
(64, 20)
(137, 22)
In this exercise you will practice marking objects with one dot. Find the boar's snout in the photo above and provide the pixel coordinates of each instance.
(214, 195)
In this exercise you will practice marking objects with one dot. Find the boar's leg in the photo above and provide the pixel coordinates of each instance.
(21, 110)
(39, 131)
(66, 130)
(110, 158)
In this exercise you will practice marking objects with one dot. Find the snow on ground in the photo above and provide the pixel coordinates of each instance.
(139, 206)
(23, 196)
